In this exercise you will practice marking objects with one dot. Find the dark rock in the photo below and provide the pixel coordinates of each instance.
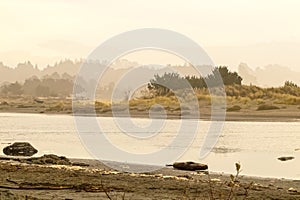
(190, 166)
(80, 164)
(20, 149)
(285, 158)
(48, 159)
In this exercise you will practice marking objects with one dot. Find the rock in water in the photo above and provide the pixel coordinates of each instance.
(190, 166)
(20, 149)
(285, 158)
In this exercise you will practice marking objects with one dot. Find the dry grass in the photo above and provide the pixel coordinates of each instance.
(247, 97)
(237, 97)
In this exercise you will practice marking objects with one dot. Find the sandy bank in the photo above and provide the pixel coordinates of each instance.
(96, 181)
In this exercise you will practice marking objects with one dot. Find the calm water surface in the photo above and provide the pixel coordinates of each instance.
(256, 145)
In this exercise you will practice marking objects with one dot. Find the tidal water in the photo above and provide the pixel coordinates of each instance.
(256, 145)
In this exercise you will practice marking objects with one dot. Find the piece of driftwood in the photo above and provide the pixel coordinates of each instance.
(38, 101)
(42, 187)
(285, 158)
(31, 186)
(190, 166)
(49, 186)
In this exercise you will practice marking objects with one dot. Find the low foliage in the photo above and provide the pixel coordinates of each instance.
(267, 107)
(234, 108)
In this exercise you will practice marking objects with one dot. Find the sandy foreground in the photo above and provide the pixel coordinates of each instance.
(90, 179)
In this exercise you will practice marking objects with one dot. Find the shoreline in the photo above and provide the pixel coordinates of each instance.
(140, 109)
(96, 180)
(254, 116)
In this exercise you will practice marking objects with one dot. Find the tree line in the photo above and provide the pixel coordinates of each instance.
(48, 86)
(56, 85)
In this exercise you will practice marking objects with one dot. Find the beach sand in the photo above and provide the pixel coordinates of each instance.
(32, 181)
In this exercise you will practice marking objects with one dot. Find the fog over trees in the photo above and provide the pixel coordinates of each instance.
(57, 80)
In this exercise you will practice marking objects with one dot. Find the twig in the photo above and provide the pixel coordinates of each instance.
(105, 191)
(233, 179)
(247, 189)
(12, 181)
(37, 187)
(9, 187)
(123, 197)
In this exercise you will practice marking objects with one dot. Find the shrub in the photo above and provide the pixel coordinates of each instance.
(267, 107)
(260, 101)
(233, 108)
(57, 107)
(101, 104)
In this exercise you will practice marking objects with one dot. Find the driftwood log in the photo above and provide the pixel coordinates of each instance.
(190, 166)
(285, 158)
(50, 186)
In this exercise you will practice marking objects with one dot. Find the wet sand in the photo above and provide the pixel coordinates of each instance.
(96, 181)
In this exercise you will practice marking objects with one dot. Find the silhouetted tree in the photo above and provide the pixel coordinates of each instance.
(162, 85)
(219, 76)
(290, 84)
(229, 78)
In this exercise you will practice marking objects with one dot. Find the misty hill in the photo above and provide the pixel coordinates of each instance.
(53, 79)
(20, 73)
(26, 70)
(268, 76)
(68, 69)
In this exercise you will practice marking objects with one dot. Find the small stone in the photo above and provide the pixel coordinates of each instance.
(292, 190)
(215, 180)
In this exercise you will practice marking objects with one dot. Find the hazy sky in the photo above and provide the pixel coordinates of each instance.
(258, 32)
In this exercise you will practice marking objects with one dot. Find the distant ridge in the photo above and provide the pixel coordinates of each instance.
(26, 70)
(68, 69)
(268, 76)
